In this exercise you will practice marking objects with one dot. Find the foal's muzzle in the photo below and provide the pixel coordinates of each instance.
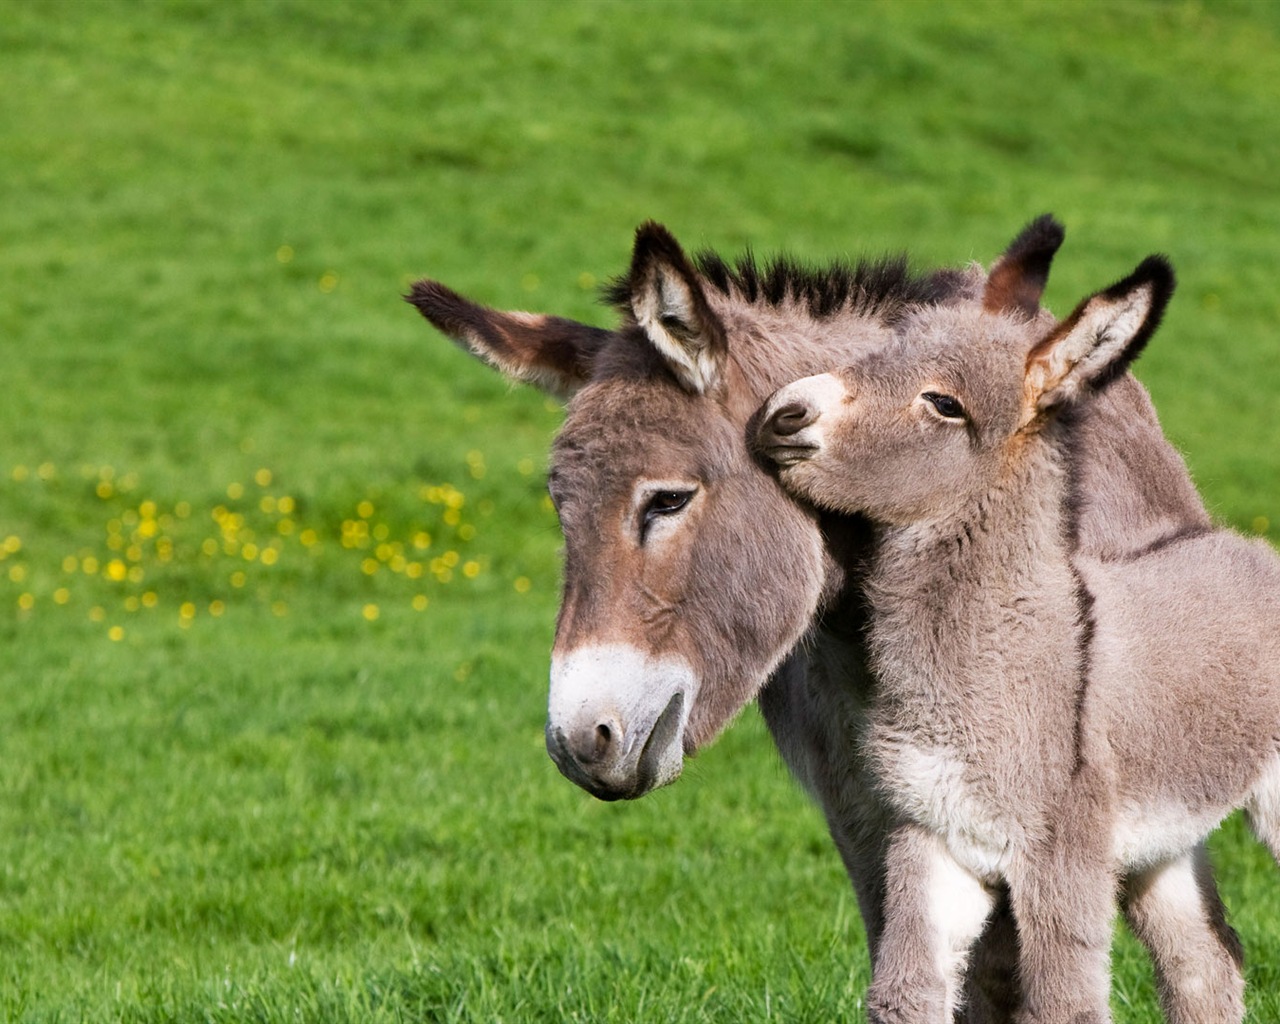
(788, 431)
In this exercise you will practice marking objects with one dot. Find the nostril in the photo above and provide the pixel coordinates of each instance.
(593, 744)
(604, 736)
(791, 418)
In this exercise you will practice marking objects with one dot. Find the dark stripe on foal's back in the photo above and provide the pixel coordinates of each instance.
(1073, 501)
(1183, 533)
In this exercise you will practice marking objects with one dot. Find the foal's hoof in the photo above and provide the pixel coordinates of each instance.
(1082, 1017)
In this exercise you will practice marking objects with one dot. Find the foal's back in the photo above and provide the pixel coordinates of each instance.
(1186, 686)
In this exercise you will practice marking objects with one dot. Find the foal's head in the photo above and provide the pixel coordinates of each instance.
(689, 574)
(926, 424)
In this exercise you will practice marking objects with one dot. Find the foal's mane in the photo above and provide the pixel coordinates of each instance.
(881, 287)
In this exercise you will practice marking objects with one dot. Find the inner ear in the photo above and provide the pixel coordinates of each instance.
(1100, 340)
(667, 300)
(1017, 281)
(672, 303)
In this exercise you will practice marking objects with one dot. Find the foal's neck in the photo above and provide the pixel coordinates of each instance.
(979, 618)
(1007, 549)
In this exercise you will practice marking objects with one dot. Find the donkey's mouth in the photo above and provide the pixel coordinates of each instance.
(616, 718)
(789, 429)
(663, 738)
(558, 748)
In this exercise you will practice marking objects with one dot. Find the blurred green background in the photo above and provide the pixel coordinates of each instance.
(277, 573)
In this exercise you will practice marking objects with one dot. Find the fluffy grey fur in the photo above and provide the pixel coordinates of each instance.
(1058, 714)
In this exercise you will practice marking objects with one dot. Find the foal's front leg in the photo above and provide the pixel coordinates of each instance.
(1063, 891)
(934, 910)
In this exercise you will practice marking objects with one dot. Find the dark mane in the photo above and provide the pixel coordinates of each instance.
(877, 287)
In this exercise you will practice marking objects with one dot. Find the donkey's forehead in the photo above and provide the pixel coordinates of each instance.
(628, 428)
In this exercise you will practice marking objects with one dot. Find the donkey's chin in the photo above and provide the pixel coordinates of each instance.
(617, 718)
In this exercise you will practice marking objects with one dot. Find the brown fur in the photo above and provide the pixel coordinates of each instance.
(724, 589)
(1017, 281)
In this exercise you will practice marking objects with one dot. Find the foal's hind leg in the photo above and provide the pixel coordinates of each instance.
(1175, 910)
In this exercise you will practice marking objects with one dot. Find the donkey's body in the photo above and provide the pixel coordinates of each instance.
(1046, 715)
(690, 577)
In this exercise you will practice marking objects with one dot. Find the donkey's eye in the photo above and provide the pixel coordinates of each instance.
(946, 406)
(665, 503)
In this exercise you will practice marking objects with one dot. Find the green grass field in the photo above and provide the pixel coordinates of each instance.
(277, 573)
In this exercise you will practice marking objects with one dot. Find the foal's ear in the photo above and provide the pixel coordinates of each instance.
(553, 353)
(668, 303)
(1098, 342)
(1017, 280)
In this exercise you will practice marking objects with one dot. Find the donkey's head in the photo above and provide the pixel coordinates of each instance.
(924, 425)
(689, 574)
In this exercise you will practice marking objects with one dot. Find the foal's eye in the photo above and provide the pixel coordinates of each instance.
(665, 503)
(946, 406)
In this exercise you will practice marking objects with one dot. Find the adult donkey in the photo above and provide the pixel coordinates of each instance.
(1042, 716)
(691, 579)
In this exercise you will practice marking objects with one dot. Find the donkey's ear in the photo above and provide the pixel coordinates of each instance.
(1017, 280)
(553, 353)
(1099, 341)
(668, 303)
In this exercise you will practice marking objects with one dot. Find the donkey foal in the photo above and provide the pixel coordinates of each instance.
(1043, 717)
